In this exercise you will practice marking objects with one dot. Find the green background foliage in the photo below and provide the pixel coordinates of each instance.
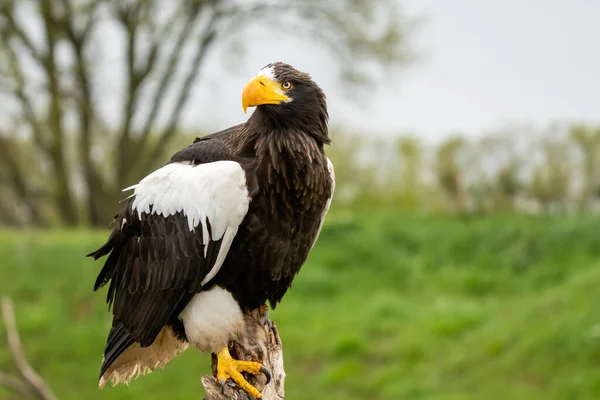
(388, 306)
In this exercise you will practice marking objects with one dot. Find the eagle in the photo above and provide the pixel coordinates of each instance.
(223, 227)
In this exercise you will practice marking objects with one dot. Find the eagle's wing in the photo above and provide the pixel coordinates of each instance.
(170, 239)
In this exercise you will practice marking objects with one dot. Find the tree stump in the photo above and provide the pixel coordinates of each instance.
(260, 343)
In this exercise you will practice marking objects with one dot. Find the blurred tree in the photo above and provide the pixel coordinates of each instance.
(49, 72)
(20, 184)
(409, 180)
(449, 172)
(587, 141)
(508, 184)
(500, 155)
(355, 177)
(551, 178)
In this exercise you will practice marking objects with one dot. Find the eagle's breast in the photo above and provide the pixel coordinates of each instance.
(296, 185)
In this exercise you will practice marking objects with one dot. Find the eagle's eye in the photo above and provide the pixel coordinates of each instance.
(286, 85)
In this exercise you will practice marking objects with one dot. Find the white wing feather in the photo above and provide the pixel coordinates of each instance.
(328, 204)
(215, 191)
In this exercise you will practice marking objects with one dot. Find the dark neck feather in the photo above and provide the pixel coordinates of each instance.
(312, 121)
(269, 133)
(289, 160)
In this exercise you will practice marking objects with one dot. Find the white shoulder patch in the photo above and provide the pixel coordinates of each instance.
(328, 204)
(332, 174)
(215, 191)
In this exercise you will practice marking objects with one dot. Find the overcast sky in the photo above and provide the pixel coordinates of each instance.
(484, 63)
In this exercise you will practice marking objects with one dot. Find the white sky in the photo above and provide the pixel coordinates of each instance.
(484, 63)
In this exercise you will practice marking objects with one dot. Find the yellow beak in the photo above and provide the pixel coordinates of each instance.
(261, 90)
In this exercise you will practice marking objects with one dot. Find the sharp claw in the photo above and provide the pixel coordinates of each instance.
(222, 384)
(267, 373)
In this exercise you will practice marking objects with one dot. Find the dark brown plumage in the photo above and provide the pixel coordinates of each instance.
(156, 264)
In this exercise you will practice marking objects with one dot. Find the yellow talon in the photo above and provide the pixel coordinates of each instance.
(227, 367)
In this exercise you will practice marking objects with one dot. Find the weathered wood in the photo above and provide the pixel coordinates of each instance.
(261, 343)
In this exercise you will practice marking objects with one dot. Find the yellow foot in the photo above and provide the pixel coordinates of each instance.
(227, 367)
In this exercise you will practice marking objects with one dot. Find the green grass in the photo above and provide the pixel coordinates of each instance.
(388, 306)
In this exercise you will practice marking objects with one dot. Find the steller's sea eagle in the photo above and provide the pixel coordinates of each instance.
(222, 228)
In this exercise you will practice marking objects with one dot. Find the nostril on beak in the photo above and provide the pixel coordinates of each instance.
(262, 83)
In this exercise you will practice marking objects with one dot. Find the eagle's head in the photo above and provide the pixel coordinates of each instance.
(287, 97)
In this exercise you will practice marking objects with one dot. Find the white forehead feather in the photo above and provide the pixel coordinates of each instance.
(268, 72)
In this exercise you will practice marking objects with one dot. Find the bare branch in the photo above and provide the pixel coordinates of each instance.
(14, 383)
(78, 38)
(85, 107)
(14, 343)
(347, 29)
(207, 36)
(159, 38)
(64, 196)
(130, 18)
(25, 102)
(166, 78)
(15, 30)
